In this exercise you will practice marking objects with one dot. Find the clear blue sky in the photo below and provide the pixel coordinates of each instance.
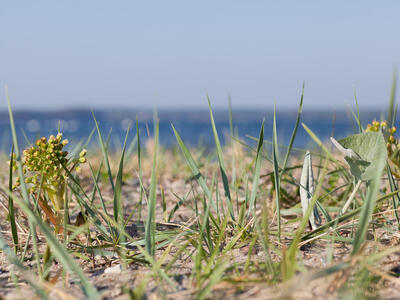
(58, 54)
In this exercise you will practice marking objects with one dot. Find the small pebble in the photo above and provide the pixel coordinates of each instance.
(113, 270)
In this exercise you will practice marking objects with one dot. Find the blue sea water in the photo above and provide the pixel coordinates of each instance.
(193, 126)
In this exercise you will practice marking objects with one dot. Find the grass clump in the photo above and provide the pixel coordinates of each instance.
(193, 223)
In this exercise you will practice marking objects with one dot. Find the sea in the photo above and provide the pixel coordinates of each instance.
(194, 126)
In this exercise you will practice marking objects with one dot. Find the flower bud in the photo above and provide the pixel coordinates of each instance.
(83, 153)
(376, 124)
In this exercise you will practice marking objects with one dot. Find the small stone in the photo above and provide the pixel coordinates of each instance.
(113, 270)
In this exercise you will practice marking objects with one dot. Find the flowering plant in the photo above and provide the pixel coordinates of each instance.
(46, 166)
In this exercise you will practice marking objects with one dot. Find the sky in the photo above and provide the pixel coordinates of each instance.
(172, 54)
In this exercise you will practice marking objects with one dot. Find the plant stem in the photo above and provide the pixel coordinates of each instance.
(353, 193)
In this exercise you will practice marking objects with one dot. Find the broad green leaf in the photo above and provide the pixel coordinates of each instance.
(369, 148)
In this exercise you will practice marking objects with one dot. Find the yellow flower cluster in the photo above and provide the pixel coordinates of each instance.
(387, 132)
(44, 166)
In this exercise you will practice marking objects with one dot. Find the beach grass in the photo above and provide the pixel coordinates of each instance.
(149, 222)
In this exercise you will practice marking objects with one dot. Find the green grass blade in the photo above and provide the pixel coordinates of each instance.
(368, 207)
(27, 140)
(293, 136)
(150, 229)
(90, 210)
(358, 119)
(13, 259)
(104, 151)
(140, 168)
(233, 175)
(396, 198)
(131, 148)
(95, 181)
(177, 205)
(256, 175)
(86, 144)
(318, 142)
(11, 212)
(18, 159)
(221, 163)
(392, 101)
(276, 174)
(214, 278)
(118, 214)
(195, 170)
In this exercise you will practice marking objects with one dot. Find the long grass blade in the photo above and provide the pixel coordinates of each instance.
(276, 174)
(233, 160)
(140, 168)
(318, 141)
(396, 198)
(368, 207)
(118, 214)
(221, 163)
(11, 212)
(294, 133)
(256, 175)
(358, 119)
(392, 101)
(150, 229)
(104, 151)
(193, 166)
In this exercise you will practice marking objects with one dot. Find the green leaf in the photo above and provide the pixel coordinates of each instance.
(370, 148)
(11, 212)
(150, 229)
(368, 205)
(256, 174)
(118, 214)
(392, 111)
(277, 182)
(221, 163)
